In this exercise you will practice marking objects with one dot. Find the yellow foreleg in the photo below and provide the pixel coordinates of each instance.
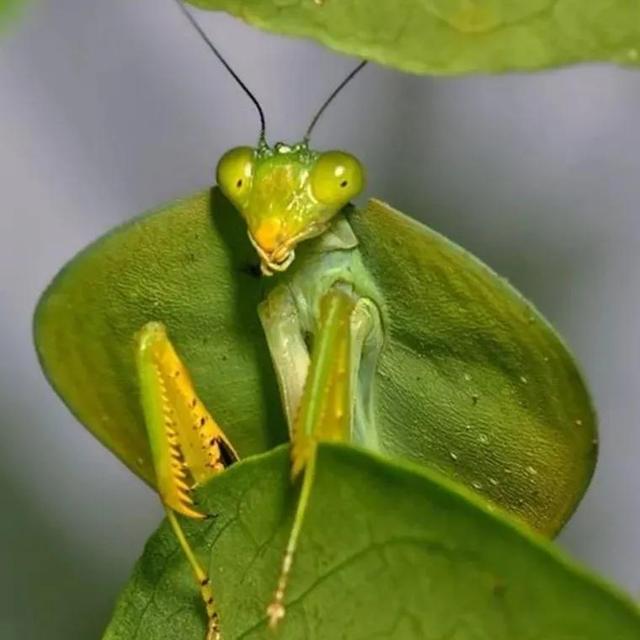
(187, 445)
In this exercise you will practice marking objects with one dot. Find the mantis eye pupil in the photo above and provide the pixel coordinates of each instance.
(239, 183)
(344, 183)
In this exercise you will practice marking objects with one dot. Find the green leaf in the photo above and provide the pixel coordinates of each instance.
(387, 551)
(455, 36)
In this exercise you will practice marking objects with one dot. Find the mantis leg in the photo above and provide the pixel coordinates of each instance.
(213, 626)
(285, 336)
(330, 399)
(187, 445)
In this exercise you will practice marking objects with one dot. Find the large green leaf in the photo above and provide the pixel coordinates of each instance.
(456, 36)
(387, 551)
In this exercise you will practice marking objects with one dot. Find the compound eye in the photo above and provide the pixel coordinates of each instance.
(235, 173)
(336, 178)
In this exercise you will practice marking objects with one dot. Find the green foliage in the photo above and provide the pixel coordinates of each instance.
(387, 551)
(456, 36)
(9, 11)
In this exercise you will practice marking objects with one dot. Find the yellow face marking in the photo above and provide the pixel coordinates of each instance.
(268, 234)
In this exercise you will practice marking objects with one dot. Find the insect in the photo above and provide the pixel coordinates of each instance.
(359, 325)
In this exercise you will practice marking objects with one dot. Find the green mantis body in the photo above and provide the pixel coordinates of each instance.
(447, 365)
(374, 331)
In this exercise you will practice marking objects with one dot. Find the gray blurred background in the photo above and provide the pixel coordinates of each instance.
(109, 108)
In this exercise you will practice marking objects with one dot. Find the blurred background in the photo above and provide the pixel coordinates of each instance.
(110, 108)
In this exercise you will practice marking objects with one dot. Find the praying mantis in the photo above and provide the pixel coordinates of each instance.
(357, 325)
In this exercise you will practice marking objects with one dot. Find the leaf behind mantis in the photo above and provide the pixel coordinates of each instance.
(388, 551)
(449, 37)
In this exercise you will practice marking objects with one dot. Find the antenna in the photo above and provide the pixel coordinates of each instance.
(330, 99)
(227, 66)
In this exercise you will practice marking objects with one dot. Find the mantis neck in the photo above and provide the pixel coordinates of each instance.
(291, 313)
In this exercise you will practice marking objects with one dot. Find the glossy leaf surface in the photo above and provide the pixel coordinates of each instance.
(456, 36)
(387, 551)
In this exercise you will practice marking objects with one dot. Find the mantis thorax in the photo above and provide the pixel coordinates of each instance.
(287, 194)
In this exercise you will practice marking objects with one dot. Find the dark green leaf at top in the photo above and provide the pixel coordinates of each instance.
(456, 36)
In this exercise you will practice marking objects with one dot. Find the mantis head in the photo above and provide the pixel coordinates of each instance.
(287, 194)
